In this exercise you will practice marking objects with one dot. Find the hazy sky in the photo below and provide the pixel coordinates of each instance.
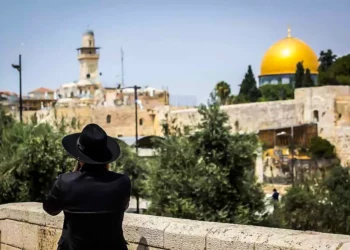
(185, 45)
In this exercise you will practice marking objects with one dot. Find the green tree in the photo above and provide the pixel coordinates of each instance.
(321, 148)
(248, 89)
(223, 91)
(307, 79)
(275, 92)
(254, 94)
(299, 75)
(338, 73)
(32, 156)
(316, 204)
(136, 168)
(208, 175)
(326, 59)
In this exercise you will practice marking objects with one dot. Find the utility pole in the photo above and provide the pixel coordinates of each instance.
(136, 118)
(19, 68)
(122, 61)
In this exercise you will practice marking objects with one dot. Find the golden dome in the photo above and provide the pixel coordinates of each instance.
(282, 57)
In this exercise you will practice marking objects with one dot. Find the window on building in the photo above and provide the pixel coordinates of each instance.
(90, 44)
(316, 119)
(141, 122)
(108, 119)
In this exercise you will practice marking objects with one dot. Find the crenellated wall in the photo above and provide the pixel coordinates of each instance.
(27, 226)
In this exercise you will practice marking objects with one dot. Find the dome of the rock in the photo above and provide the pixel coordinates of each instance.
(280, 60)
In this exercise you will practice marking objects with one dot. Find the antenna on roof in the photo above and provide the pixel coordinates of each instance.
(122, 61)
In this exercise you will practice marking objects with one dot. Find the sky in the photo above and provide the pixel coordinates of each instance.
(186, 46)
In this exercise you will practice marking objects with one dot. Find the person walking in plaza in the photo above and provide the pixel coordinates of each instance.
(275, 195)
(92, 198)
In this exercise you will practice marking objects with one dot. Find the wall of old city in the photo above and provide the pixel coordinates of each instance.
(250, 117)
(328, 106)
(27, 226)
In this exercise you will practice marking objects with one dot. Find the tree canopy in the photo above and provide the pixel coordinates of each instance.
(208, 175)
(275, 92)
(248, 90)
(223, 92)
(338, 73)
(326, 59)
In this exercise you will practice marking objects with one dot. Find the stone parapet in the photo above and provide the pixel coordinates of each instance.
(27, 226)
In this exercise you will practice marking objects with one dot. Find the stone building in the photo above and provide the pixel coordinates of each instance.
(88, 89)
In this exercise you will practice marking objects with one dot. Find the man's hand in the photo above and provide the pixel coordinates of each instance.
(77, 167)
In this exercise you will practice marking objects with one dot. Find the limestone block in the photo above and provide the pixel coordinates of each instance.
(48, 238)
(344, 246)
(54, 221)
(133, 246)
(259, 238)
(11, 233)
(188, 234)
(233, 237)
(142, 227)
(27, 211)
(8, 247)
(4, 213)
(19, 234)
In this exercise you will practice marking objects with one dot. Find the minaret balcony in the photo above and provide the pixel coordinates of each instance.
(88, 56)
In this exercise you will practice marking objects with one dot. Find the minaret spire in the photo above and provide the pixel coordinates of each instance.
(289, 32)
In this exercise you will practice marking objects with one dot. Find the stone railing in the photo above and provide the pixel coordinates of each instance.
(27, 226)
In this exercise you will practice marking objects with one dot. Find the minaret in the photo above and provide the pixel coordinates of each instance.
(88, 56)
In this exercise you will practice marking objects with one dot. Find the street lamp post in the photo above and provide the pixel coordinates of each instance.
(136, 114)
(292, 149)
(19, 68)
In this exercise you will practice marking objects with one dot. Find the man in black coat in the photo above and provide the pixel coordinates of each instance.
(92, 198)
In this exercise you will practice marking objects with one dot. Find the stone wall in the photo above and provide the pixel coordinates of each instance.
(27, 226)
(328, 106)
(251, 117)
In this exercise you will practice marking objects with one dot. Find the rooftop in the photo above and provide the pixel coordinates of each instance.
(42, 90)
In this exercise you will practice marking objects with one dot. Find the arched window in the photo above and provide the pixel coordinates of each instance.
(90, 43)
(141, 122)
(316, 119)
(108, 118)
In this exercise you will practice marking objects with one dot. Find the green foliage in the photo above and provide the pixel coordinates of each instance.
(317, 204)
(302, 77)
(248, 89)
(223, 91)
(338, 73)
(307, 80)
(31, 157)
(299, 75)
(136, 168)
(326, 59)
(275, 92)
(208, 175)
(321, 148)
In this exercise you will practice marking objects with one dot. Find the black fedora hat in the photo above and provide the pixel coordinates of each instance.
(92, 146)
